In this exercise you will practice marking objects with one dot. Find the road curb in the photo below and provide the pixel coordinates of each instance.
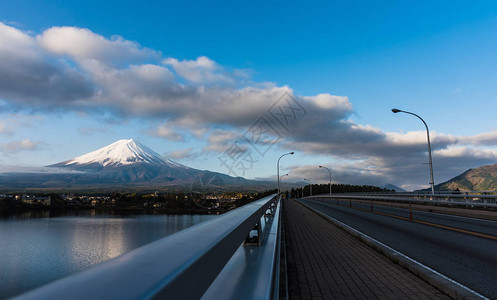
(450, 287)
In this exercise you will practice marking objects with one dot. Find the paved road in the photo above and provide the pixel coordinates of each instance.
(468, 259)
(325, 262)
(471, 224)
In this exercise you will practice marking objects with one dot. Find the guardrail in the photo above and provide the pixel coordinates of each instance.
(478, 199)
(253, 271)
(424, 193)
(183, 265)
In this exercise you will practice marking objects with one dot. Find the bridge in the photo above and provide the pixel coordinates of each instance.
(348, 246)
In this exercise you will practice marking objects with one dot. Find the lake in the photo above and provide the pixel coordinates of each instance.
(38, 247)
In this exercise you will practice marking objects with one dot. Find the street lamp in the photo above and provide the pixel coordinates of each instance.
(278, 169)
(310, 187)
(432, 181)
(330, 175)
(283, 176)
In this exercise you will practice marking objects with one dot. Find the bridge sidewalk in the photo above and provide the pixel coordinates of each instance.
(324, 262)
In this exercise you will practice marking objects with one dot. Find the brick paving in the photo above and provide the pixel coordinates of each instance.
(325, 262)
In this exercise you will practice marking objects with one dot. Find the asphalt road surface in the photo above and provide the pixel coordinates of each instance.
(463, 249)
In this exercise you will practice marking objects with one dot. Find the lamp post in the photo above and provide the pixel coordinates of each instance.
(330, 175)
(283, 176)
(278, 169)
(310, 187)
(432, 181)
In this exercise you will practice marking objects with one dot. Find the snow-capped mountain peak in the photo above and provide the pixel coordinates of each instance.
(120, 153)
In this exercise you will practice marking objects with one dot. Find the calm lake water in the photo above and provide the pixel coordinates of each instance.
(37, 249)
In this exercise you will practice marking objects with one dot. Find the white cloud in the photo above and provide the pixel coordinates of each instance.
(486, 138)
(35, 169)
(223, 136)
(221, 140)
(81, 44)
(21, 145)
(6, 128)
(30, 78)
(10, 123)
(187, 153)
(328, 101)
(459, 151)
(70, 68)
(201, 70)
(16, 43)
(166, 131)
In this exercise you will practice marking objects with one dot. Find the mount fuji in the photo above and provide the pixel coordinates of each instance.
(125, 164)
(128, 157)
(120, 153)
(125, 161)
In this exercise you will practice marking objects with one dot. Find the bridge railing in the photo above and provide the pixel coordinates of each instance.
(183, 265)
(474, 199)
(253, 271)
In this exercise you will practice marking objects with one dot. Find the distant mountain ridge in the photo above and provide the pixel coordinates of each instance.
(126, 163)
(483, 178)
(393, 187)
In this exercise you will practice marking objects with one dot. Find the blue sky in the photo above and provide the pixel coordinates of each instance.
(168, 73)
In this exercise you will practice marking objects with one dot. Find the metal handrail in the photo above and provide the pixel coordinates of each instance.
(473, 200)
(253, 271)
(422, 193)
(180, 266)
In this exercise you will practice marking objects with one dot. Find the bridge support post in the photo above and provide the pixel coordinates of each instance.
(270, 211)
(254, 240)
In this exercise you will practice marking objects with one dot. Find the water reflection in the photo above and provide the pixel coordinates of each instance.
(38, 247)
(96, 240)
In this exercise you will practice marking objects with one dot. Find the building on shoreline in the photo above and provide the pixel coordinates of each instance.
(34, 200)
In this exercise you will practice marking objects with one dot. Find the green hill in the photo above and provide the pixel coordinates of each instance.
(483, 178)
